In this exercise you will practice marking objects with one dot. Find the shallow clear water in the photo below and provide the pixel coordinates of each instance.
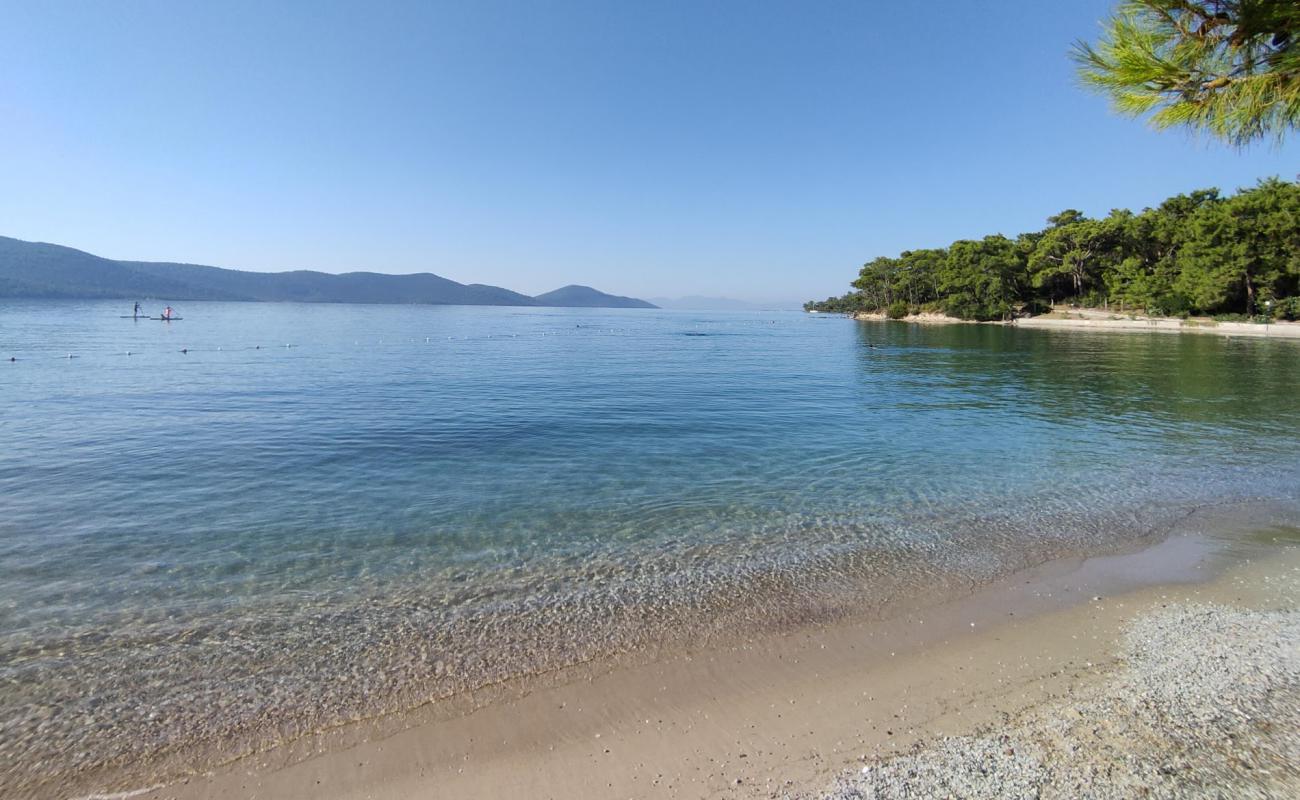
(322, 512)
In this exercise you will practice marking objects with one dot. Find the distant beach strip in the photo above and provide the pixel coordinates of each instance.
(1102, 320)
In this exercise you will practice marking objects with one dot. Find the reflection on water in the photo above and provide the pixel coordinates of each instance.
(221, 538)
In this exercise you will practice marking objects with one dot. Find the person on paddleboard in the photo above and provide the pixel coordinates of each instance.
(167, 313)
(135, 312)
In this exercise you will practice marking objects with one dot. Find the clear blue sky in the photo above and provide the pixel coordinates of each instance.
(748, 149)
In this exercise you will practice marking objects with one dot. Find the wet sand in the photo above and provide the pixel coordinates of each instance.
(779, 715)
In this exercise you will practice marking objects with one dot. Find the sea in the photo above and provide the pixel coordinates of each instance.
(261, 521)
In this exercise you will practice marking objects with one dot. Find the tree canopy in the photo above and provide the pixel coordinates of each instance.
(1194, 253)
(1230, 68)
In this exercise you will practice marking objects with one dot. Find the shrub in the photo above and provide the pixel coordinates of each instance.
(897, 310)
(1288, 309)
(1170, 305)
(967, 308)
(1093, 299)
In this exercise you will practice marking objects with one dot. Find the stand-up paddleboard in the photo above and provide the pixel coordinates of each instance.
(133, 316)
(165, 319)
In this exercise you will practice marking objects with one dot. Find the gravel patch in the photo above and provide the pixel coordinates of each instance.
(1206, 704)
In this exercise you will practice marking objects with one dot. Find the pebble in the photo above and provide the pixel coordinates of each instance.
(1195, 677)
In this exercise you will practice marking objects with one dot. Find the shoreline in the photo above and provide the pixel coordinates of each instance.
(192, 738)
(780, 712)
(1099, 320)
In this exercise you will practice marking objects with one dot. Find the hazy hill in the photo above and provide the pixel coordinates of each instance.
(35, 269)
(29, 269)
(697, 303)
(573, 296)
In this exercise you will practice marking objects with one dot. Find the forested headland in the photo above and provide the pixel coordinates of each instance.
(1197, 253)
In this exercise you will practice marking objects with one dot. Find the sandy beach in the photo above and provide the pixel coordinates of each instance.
(1022, 671)
(1203, 703)
(1101, 320)
(1096, 319)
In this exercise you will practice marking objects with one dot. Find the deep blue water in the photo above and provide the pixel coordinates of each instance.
(320, 512)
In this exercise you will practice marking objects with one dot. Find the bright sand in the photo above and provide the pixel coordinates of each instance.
(1099, 320)
(1119, 322)
(784, 714)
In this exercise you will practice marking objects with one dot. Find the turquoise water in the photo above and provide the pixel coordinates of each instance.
(271, 518)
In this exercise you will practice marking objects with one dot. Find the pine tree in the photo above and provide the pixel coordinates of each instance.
(1230, 68)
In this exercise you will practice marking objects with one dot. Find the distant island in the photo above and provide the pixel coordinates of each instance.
(574, 296)
(40, 270)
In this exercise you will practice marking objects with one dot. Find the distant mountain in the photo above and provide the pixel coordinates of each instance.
(35, 269)
(586, 297)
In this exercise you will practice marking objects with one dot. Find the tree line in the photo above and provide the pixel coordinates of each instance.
(1195, 253)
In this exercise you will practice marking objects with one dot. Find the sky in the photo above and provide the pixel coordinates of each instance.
(754, 150)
